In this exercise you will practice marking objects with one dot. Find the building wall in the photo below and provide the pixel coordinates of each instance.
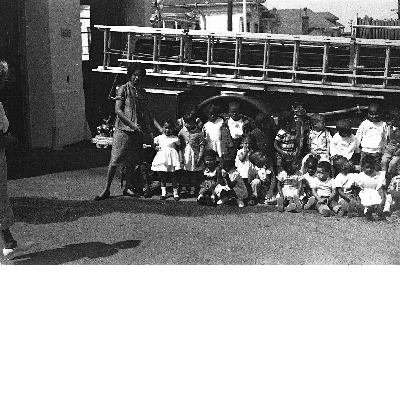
(54, 73)
(138, 12)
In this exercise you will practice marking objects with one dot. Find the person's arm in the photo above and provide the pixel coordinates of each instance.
(119, 111)
(280, 191)
(242, 154)
(333, 194)
(343, 194)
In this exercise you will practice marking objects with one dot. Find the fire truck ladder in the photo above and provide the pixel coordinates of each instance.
(258, 61)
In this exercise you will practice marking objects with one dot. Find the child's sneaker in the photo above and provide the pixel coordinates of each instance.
(291, 207)
(9, 254)
(310, 202)
(222, 201)
(240, 203)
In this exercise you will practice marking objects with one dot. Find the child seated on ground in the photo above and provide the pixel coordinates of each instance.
(264, 134)
(242, 162)
(211, 175)
(392, 202)
(261, 179)
(307, 196)
(289, 185)
(372, 185)
(372, 134)
(344, 142)
(286, 141)
(230, 185)
(318, 140)
(391, 152)
(345, 184)
(324, 190)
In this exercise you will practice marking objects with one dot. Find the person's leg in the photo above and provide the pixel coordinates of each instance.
(163, 182)
(174, 182)
(323, 209)
(392, 166)
(105, 194)
(385, 161)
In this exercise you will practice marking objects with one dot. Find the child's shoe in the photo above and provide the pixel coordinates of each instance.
(368, 214)
(337, 209)
(280, 201)
(310, 202)
(222, 201)
(162, 197)
(10, 253)
(240, 203)
(298, 204)
(176, 197)
(341, 213)
(291, 207)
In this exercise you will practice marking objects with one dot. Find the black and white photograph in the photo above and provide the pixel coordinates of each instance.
(199, 199)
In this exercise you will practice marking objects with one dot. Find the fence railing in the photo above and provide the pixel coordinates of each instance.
(369, 28)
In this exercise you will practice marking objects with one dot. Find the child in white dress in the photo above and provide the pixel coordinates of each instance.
(212, 129)
(372, 184)
(168, 158)
(345, 184)
(192, 144)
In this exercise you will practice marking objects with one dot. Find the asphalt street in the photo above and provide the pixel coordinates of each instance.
(57, 211)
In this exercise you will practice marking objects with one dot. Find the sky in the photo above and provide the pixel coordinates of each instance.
(344, 9)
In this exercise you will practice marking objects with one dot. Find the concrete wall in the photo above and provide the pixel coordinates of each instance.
(138, 12)
(54, 69)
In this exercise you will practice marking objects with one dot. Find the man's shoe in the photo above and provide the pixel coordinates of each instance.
(9, 254)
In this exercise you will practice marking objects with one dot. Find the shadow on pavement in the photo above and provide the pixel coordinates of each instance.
(74, 252)
(44, 210)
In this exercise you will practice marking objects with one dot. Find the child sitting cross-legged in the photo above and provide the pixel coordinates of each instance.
(324, 190)
(261, 179)
(289, 186)
(230, 185)
(372, 184)
(346, 187)
(211, 175)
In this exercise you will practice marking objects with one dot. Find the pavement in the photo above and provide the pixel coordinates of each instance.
(56, 209)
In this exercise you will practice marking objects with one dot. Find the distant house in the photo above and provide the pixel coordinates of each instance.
(212, 15)
(306, 22)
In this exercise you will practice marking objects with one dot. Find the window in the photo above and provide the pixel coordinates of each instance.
(85, 31)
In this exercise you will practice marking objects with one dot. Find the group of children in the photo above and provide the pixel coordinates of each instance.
(296, 164)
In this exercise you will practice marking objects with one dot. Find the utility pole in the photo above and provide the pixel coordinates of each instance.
(230, 12)
(245, 15)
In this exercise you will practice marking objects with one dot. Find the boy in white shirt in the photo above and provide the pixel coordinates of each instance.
(372, 134)
(344, 143)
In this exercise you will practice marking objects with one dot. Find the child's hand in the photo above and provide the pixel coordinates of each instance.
(224, 173)
(157, 147)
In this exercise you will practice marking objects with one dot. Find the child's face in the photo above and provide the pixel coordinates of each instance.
(190, 123)
(373, 114)
(246, 145)
(212, 116)
(319, 125)
(346, 167)
(210, 162)
(344, 132)
(168, 129)
(234, 112)
(322, 174)
(369, 169)
(311, 169)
